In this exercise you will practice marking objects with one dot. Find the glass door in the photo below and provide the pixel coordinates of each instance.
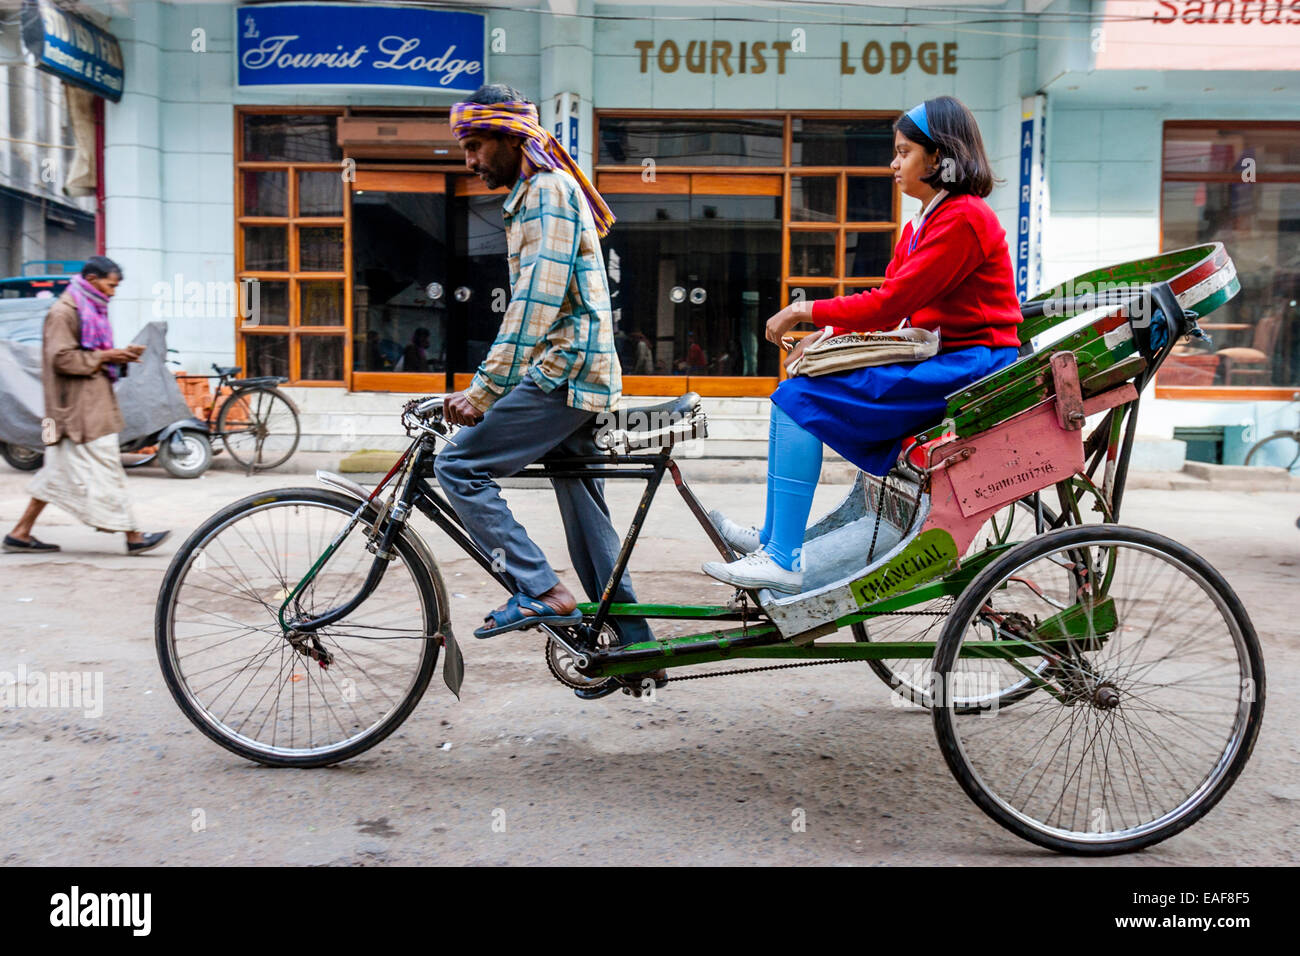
(645, 256)
(400, 281)
(694, 265)
(479, 274)
(732, 278)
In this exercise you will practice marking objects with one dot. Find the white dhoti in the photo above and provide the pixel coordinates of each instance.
(88, 482)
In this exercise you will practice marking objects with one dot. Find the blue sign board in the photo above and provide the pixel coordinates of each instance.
(334, 44)
(1023, 213)
(73, 49)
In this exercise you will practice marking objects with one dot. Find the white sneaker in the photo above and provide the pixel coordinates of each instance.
(756, 570)
(743, 539)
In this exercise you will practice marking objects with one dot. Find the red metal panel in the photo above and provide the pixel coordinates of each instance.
(1018, 457)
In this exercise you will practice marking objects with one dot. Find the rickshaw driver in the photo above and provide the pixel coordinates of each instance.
(550, 371)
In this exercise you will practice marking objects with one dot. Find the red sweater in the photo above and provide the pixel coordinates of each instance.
(957, 281)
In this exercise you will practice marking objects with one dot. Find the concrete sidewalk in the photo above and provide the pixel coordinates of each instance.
(1195, 476)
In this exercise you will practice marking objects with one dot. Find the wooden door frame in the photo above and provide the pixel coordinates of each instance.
(292, 222)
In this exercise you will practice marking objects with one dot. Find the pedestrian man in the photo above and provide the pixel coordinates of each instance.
(83, 472)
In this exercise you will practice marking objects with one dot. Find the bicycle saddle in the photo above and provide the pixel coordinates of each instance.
(651, 426)
(227, 369)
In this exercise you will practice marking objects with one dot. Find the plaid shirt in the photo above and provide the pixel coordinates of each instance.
(558, 328)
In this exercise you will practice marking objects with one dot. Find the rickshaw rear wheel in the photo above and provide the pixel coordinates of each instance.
(1150, 707)
(912, 679)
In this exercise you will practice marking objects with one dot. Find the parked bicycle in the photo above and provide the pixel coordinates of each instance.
(256, 422)
(1282, 447)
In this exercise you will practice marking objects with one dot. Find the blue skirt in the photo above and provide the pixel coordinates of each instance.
(864, 413)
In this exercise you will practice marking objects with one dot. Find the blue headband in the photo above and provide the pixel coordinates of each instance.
(917, 115)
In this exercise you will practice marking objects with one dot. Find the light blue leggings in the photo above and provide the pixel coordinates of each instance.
(794, 463)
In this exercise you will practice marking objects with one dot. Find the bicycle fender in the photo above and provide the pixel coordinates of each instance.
(235, 393)
(184, 425)
(453, 665)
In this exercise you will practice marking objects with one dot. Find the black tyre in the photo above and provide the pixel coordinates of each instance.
(191, 460)
(262, 692)
(1280, 448)
(23, 459)
(1150, 706)
(259, 427)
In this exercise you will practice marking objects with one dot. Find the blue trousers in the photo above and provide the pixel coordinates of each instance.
(526, 425)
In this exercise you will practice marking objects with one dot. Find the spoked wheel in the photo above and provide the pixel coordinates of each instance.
(259, 427)
(1280, 448)
(293, 699)
(912, 679)
(1149, 707)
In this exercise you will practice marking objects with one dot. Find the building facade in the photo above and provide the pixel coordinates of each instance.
(47, 203)
(302, 151)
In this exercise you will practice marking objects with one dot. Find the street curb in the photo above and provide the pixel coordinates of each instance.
(1195, 476)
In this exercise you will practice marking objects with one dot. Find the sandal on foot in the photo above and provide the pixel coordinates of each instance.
(512, 616)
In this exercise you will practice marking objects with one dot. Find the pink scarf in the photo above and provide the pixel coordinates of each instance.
(92, 308)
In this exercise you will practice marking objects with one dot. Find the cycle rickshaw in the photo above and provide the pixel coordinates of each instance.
(1095, 688)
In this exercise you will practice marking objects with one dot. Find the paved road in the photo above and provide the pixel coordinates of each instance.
(710, 772)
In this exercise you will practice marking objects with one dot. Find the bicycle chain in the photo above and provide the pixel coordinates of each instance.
(755, 670)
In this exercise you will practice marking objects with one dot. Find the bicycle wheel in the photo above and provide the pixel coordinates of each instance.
(262, 693)
(259, 427)
(1148, 711)
(912, 678)
(1280, 448)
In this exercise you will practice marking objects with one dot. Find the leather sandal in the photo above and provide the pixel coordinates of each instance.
(512, 617)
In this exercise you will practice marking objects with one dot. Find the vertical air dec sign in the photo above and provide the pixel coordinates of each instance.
(1031, 198)
(359, 46)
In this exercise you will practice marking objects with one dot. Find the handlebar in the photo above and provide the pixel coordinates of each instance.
(430, 409)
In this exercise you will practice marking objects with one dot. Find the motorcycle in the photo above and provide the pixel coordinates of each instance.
(159, 425)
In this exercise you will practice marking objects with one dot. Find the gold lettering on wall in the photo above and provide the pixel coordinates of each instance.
(931, 57)
(731, 59)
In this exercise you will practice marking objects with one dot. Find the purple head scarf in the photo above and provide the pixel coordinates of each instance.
(92, 308)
